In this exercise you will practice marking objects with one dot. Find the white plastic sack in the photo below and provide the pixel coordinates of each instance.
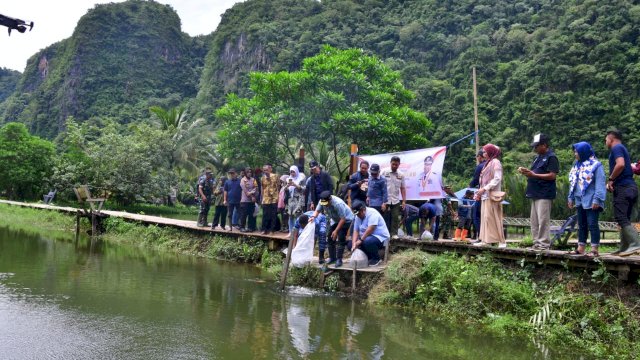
(256, 210)
(400, 232)
(427, 235)
(302, 254)
(359, 259)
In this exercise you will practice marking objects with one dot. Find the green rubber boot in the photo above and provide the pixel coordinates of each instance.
(624, 243)
(632, 237)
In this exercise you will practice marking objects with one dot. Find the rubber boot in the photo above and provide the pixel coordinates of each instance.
(463, 236)
(339, 255)
(632, 237)
(456, 237)
(332, 254)
(321, 256)
(624, 243)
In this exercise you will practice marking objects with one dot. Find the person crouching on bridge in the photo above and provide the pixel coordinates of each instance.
(370, 232)
(341, 218)
(587, 194)
(320, 231)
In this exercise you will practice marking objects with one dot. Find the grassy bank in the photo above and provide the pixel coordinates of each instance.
(590, 312)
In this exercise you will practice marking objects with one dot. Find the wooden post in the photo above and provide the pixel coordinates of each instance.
(301, 159)
(353, 165)
(77, 225)
(353, 278)
(475, 111)
(287, 260)
(386, 251)
(93, 225)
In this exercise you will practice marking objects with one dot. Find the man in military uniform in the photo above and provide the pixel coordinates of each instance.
(205, 189)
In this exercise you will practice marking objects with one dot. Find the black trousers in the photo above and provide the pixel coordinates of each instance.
(269, 217)
(624, 199)
(246, 215)
(220, 216)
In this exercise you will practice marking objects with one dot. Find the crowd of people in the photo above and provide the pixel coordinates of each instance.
(379, 210)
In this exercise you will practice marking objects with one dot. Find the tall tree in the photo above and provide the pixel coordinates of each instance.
(27, 161)
(338, 97)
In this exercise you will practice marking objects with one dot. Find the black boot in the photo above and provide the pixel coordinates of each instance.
(332, 253)
(339, 254)
(321, 256)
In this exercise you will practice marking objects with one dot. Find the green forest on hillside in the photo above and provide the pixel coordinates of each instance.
(567, 68)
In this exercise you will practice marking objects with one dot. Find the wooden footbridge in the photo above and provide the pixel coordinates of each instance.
(623, 266)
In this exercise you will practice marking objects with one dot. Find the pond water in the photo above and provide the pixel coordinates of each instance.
(60, 300)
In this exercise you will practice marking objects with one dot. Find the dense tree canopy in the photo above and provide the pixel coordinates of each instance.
(338, 97)
(26, 162)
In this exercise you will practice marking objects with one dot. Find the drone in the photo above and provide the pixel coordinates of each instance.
(15, 24)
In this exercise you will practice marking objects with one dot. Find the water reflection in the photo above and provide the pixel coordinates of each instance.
(95, 300)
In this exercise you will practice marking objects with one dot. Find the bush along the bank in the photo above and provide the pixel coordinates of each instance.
(246, 250)
(559, 310)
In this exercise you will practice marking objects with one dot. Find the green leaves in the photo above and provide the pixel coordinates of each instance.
(27, 162)
(338, 97)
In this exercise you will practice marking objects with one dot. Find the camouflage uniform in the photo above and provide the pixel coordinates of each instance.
(207, 189)
(447, 222)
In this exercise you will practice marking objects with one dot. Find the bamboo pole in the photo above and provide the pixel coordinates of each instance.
(77, 226)
(287, 261)
(475, 110)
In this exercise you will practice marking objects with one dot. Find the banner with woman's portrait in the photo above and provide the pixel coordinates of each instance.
(422, 170)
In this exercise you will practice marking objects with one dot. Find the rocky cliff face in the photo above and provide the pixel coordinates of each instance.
(120, 59)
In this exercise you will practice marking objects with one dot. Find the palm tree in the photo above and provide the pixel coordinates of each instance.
(186, 136)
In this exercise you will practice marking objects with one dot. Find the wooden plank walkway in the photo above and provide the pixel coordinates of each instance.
(622, 265)
(153, 220)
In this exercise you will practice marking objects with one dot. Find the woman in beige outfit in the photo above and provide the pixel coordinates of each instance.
(491, 230)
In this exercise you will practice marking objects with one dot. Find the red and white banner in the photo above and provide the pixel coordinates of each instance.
(422, 170)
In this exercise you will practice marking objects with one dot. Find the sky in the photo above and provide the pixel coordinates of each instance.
(55, 21)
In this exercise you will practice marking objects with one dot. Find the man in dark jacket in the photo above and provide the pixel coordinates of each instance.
(358, 182)
(541, 189)
(320, 182)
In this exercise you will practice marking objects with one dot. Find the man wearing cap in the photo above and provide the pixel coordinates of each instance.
(370, 232)
(358, 182)
(541, 189)
(377, 195)
(232, 197)
(395, 191)
(341, 218)
(625, 193)
(205, 189)
(319, 182)
(475, 182)
(270, 191)
(320, 222)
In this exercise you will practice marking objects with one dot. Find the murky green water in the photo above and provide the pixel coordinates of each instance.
(62, 301)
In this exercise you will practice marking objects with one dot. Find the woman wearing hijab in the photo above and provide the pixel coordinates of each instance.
(295, 194)
(587, 192)
(491, 218)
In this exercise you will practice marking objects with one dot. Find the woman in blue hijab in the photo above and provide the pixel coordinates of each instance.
(587, 192)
